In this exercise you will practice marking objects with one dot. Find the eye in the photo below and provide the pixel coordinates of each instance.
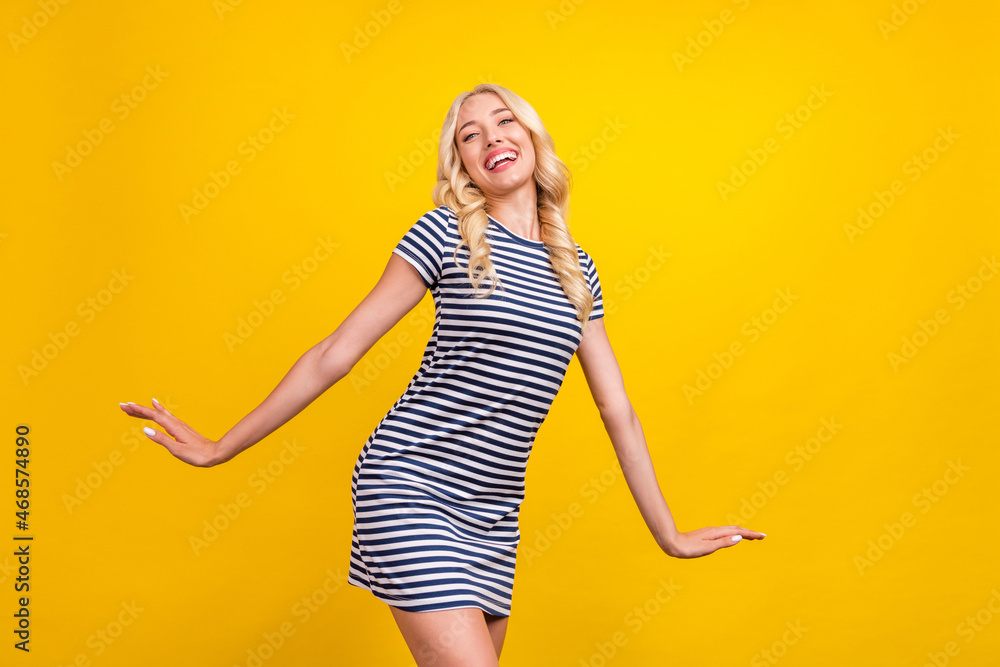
(472, 134)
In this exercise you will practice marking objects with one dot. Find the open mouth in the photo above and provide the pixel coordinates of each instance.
(501, 159)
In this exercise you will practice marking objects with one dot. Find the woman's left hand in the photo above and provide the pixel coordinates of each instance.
(701, 542)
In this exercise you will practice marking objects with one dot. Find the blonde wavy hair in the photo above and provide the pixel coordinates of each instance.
(456, 190)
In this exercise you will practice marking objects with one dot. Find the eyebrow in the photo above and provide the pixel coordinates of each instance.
(492, 113)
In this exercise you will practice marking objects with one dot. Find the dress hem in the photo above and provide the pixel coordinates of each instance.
(429, 606)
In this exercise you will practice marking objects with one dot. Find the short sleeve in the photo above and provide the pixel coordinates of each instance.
(423, 246)
(595, 287)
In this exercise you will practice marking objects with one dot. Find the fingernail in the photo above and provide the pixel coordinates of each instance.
(737, 538)
(764, 534)
(131, 403)
(148, 431)
(156, 401)
(121, 404)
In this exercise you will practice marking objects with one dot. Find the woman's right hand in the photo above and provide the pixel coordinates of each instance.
(184, 442)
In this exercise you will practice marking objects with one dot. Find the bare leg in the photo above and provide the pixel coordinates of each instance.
(450, 638)
(497, 626)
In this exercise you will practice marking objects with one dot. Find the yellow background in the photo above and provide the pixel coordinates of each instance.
(648, 137)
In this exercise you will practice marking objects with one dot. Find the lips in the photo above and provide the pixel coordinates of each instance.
(500, 156)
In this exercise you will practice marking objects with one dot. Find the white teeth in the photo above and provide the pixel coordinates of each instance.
(496, 158)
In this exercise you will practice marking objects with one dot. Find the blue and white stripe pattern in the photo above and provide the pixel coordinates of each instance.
(438, 485)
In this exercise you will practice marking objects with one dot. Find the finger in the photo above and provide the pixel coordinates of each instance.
(729, 531)
(136, 410)
(727, 536)
(159, 438)
(722, 532)
(180, 450)
(159, 414)
(731, 539)
(167, 421)
(750, 534)
(723, 542)
(159, 406)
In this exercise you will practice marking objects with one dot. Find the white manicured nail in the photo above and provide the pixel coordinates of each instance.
(764, 534)
(121, 404)
(156, 401)
(148, 431)
(737, 538)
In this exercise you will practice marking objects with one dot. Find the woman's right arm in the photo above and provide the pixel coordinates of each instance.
(397, 292)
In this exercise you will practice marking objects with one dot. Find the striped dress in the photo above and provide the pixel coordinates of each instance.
(438, 485)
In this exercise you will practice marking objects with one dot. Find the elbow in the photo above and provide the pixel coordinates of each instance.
(333, 364)
(334, 370)
(616, 412)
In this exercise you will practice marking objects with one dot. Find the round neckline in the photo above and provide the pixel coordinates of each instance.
(516, 237)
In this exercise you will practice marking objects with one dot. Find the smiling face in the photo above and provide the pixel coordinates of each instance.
(495, 147)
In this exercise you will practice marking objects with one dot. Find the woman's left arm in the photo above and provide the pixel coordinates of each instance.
(600, 366)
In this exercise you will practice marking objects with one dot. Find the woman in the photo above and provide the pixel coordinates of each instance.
(439, 483)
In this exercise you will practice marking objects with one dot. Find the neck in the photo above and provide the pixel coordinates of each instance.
(518, 211)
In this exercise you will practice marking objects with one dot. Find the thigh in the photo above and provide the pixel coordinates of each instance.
(449, 638)
(497, 626)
